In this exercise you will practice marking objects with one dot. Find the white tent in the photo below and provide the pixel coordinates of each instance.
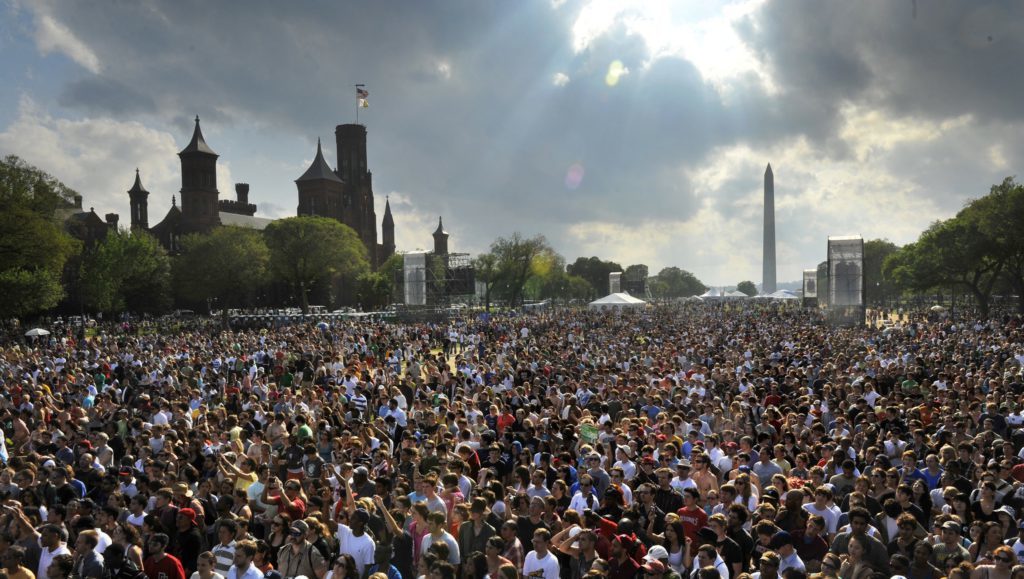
(616, 301)
(783, 295)
(712, 294)
(736, 295)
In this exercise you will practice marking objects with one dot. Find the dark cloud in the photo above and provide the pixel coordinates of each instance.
(953, 58)
(100, 95)
(465, 120)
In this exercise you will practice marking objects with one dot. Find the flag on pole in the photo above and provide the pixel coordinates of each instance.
(362, 95)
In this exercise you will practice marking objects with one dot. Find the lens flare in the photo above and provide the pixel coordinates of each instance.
(574, 176)
(616, 70)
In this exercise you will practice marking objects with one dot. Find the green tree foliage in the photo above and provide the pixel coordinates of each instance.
(127, 272)
(373, 289)
(673, 282)
(747, 287)
(595, 271)
(1001, 213)
(33, 246)
(229, 265)
(307, 250)
(954, 253)
(486, 270)
(517, 262)
(24, 185)
(878, 286)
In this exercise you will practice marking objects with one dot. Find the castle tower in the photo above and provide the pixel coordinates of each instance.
(768, 258)
(320, 189)
(440, 239)
(198, 184)
(139, 203)
(387, 230)
(357, 203)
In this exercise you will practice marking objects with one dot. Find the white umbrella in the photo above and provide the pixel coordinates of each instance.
(37, 332)
(937, 309)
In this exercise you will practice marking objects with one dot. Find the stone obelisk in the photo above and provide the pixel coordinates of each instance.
(768, 263)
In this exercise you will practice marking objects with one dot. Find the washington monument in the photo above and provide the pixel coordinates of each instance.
(768, 260)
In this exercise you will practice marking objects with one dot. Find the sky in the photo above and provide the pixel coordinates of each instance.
(636, 131)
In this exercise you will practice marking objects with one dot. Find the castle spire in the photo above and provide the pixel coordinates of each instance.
(319, 169)
(198, 143)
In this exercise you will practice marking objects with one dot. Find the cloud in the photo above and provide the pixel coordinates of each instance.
(875, 121)
(99, 95)
(51, 35)
(97, 157)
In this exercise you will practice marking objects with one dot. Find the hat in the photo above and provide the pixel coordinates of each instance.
(654, 567)
(361, 515)
(85, 444)
(951, 526)
(1008, 510)
(683, 464)
(661, 438)
(779, 539)
(181, 488)
(361, 470)
(730, 445)
(655, 553)
(189, 514)
(300, 526)
(572, 535)
(744, 468)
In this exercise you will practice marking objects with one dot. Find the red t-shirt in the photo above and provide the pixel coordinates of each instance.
(168, 567)
(693, 520)
(295, 509)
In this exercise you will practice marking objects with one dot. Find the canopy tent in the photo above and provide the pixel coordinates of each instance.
(736, 295)
(712, 294)
(616, 301)
(783, 295)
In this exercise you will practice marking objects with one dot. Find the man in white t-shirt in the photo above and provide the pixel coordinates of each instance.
(353, 540)
(820, 506)
(541, 563)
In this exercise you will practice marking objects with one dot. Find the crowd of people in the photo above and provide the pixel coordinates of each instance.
(720, 441)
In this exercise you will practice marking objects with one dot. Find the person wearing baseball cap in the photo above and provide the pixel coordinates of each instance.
(782, 543)
(654, 569)
(621, 564)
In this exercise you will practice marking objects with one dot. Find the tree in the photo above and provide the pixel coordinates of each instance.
(673, 282)
(1001, 213)
(33, 246)
(24, 185)
(307, 250)
(877, 286)
(373, 289)
(229, 265)
(126, 272)
(516, 257)
(747, 287)
(949, 254)
(595, 271)
(486, 271)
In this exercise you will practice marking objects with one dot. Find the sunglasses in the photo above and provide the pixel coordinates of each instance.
(1004, 559)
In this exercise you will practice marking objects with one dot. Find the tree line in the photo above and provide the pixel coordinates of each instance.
(979, 251)
(292, 261)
